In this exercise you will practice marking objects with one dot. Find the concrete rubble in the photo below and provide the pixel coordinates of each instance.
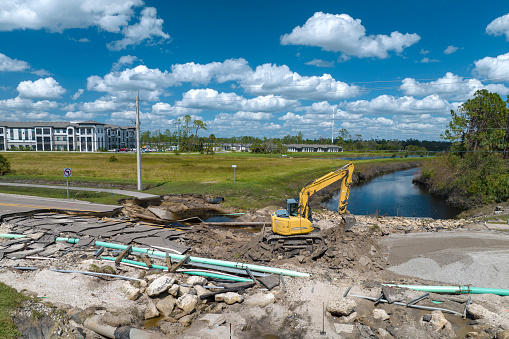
(179, 305)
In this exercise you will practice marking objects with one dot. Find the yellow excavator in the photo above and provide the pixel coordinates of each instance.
(293, 225)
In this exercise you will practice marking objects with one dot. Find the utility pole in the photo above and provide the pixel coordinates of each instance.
(138, 143)
(332, 131)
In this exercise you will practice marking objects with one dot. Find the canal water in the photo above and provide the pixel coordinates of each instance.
(394, 195)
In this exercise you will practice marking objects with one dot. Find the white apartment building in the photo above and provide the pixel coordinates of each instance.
(86, 136)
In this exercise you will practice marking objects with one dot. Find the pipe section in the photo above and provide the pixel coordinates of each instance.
(202, 273)
(455, 289)
(216, 262)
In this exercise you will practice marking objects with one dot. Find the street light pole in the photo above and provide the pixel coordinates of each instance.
(332, 131)
(138, 143)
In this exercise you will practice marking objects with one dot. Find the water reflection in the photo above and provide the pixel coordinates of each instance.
(395, 195)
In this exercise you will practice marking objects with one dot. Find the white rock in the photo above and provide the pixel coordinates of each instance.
(174, 290)
(196, 280)
(166, 305)
(341, 307)
(438, 320)
(344, 328)
(130, 291)
(151, 310)
(187, 302)
(213, 319)
(229, 298)
(200, 290)
(160, 285)
(378, 313)
(261, 299)
(383, 334)
(349, 319)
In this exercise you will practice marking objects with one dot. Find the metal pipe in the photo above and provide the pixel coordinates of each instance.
(412, 306)
(97, 274)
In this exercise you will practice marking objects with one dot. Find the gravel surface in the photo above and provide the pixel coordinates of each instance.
(458, 258)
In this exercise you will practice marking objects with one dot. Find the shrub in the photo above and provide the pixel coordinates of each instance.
(5, 166)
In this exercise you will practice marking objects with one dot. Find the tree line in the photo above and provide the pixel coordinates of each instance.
(476, 171)
(185, 137)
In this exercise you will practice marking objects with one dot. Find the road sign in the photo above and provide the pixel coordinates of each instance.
(67, 172)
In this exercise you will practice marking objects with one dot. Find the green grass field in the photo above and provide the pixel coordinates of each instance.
(260, 180)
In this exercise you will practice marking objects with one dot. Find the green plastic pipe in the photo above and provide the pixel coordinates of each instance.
(203, 274)
(257, 268)
(455, 289)
(12, 236)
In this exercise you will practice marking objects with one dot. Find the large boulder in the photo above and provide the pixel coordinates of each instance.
(261, 299)
(196, 280)
(229, 298)
(187, 303)
(151, 310)
(166, 305)
(130, 291)
(341, 307)
(160, 285)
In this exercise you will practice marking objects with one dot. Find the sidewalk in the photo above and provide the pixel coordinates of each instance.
(139, 195)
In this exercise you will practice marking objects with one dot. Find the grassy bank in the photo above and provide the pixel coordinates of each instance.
(472, 181)
(9, 300)
(260, 180)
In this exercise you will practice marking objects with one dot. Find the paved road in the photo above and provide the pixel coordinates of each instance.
(139, 195)
(13, 203)
(479, 258)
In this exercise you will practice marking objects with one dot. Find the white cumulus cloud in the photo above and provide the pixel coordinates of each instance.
(450, 86)
(320, 63)
(280, 80)
(12, 65)
(342, 33)
(499, 26)
(151, 81)
(47, 88)
(388, 104)
(450, 49)
(212, 99)
(162, 108)
(149, 28)
(493, 68)
(229, 70)
(112, 16)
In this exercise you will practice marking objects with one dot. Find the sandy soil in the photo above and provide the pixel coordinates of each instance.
(372, 253)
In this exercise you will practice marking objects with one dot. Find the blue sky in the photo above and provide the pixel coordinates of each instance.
(390, 69)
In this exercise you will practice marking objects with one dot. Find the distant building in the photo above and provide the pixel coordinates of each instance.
(290, 147)
(86, 136)
(313, 148)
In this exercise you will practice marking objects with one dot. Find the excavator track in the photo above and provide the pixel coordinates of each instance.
(306, 241)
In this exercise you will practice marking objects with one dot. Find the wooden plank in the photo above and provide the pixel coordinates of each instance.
(181, 262)
(124, 253)
(146, 260)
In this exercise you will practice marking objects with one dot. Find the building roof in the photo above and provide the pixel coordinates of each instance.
(312, 145)
(28, 124)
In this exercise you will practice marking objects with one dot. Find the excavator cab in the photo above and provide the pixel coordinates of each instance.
(292, 206)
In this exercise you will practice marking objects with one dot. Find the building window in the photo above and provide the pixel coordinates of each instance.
(65, 138)
(46, 131)
(58, 138)
(69, 131)
(38, 130)
(1, 130)
(89, 131)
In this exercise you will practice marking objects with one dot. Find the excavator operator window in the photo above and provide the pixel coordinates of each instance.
(292, 207)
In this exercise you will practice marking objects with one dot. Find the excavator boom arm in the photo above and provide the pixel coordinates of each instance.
(344, 173)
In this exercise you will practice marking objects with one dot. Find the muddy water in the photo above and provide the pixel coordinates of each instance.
(394, 194)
